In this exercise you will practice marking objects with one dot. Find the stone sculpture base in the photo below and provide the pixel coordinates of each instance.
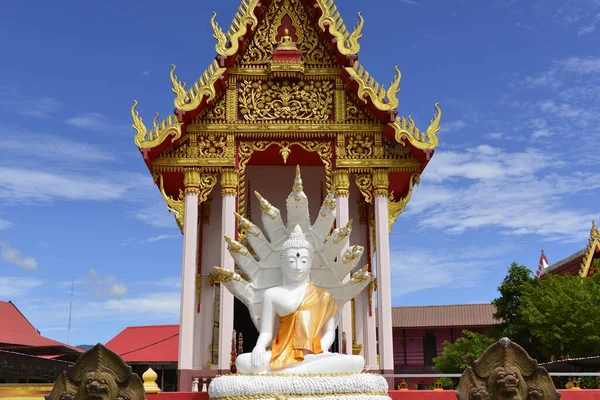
(361, 386)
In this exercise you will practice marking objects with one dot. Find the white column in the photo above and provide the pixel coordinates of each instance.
(188, 275)
(345, 327)
(384, 294)
(228, 228)
(369, 330)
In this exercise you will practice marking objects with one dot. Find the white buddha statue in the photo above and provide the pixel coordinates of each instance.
(295, 290)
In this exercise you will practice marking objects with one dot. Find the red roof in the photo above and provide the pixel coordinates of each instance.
(158, 343)
(467, 315)
(16, 331)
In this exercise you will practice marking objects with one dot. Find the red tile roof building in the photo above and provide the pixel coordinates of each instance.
(27, 352)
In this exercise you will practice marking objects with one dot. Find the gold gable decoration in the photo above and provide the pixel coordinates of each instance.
(588, 256)
(260, 47)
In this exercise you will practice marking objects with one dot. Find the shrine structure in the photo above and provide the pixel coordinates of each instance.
(285, 89)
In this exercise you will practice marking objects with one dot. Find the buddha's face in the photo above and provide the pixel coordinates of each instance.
(296, 264)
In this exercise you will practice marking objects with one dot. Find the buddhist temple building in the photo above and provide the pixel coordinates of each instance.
(25, 355)
(285, 88)
(583, 263)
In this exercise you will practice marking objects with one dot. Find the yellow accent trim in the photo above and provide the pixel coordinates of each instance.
(347, 43)
(395, 208)
(238, 29)
(205, 85)
(170, 127)
(406, 129)
(588, 256)
(383, 100)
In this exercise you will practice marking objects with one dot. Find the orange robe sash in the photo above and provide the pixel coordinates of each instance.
(300, 331)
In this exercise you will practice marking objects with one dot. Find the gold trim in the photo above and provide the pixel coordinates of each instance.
(281, 396)
(364, 182)
(406, 129)
(395, 208)
(247, 148)
(229, 182)
(347, 43)
(239, 27)
(283, 129)
(588, 256)
(143, 139)
(383, 100)
(381, 182)
(341, 183)
(203, 87)
(175, 206)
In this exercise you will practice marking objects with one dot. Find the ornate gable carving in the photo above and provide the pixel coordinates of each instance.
(355, 112)
(315, 52)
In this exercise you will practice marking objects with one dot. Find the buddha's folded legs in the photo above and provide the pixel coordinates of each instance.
(325, 363)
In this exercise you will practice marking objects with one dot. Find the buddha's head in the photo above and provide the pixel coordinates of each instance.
(297, 255)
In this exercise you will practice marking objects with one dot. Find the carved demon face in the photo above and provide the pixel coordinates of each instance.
(98, 386)
(507, 384)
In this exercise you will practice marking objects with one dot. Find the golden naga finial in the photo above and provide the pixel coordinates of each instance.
(221, 46)
(239, 27)
(394, 89)
(594, 233)
(145, 139)
(347, 44)
(177, 207)
(204, 86)
(405, 129)
(138, 125)
(395, 208)
(367, 87)
(352, 42)
(178, 88)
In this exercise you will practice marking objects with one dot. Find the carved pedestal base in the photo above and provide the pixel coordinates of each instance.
(292, 387)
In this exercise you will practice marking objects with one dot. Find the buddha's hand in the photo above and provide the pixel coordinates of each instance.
(258, 356)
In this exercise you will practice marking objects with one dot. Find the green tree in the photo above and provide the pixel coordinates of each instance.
(509, 307)
(458, 356)
(563, 315)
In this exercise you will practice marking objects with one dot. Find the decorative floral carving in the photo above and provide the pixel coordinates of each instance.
(360, 146)
(260, 47)
(286, 100)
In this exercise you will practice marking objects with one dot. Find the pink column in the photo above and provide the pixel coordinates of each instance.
(342, 192)
(384, 294)
(188, 281)
(229, 180)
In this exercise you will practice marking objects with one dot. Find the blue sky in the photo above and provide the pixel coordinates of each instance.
(516, 171)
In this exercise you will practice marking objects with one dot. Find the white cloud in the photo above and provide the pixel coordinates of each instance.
(97, 122)
(14, 256)
(516, 193)
(156, 215)
(106, 286)
(453, 126)
(11, 287)
(460, 268)
(540, 133)
(582, 65)
(494, 135)
(546, 79)
(12, 99)
(4, 224)
(18, 184)
(586, 30)
(158, 303)
(18, 143)
(159, 238)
